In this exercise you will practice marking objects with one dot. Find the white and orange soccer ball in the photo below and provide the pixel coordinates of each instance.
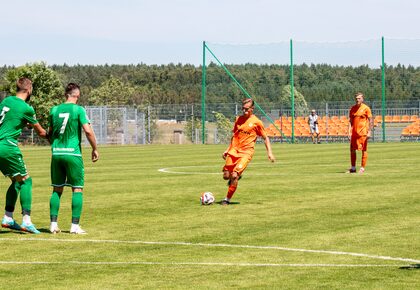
(207, 198)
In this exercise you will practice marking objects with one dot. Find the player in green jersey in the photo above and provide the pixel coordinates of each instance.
(66, 122)
(15, 114)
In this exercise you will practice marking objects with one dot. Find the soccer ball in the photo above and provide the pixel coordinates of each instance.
(206, 198)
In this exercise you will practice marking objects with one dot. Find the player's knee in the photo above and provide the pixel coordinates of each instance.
(226, 175)
(58, 189)
(235, 176)
(24, 179)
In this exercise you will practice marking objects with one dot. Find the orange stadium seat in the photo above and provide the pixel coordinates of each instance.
(388, 119)
(414, 118)
(406, 132)
(405, 118)
(396, 118)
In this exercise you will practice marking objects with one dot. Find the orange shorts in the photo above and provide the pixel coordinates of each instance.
(359, 143)
(236, 164)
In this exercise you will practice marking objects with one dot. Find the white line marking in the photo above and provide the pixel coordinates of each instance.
(193, 264)
(218, 245)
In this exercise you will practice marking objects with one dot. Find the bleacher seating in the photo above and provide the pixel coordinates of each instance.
(336, 127)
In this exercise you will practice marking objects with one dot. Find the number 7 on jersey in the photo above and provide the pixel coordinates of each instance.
(66, 119)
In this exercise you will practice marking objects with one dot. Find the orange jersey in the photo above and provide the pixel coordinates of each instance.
(245, 133)
(359, 119)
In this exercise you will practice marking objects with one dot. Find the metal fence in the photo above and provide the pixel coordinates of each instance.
(119, 125)
(181, 124)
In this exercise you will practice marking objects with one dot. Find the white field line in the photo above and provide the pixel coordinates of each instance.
(219, 245)
(194, 264)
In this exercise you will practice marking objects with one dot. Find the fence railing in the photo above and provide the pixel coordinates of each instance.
(181, 124)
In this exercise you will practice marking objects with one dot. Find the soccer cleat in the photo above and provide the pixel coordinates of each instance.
(351, 171)
(362, 170)
(225, 202)
(54, 229)
(10, 224)
(30, 228)
(77, 230)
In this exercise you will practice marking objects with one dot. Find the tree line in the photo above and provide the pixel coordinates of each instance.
(142, 85)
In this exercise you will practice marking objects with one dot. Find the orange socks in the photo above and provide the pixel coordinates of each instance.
(364, 158)
(231, 191)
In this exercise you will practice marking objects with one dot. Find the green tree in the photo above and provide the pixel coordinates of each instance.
(190, 126)
(47, 88)
(112, 92)
(224, 127)
(301, 107)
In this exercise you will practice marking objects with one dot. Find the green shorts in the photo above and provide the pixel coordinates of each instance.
(11, 159)
(67, 170)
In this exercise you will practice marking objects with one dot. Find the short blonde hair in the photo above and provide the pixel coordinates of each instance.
(359, 94)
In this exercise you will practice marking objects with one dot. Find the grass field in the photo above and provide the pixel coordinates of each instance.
(301, 223)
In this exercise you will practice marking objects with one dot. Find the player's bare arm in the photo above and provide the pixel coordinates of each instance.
(90, 135)
(40, 131)
(369, 134)
(224, 155)
(350, 129)
(268, 148)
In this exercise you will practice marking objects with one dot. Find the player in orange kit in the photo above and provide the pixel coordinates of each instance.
(241, 149)
(360, 127)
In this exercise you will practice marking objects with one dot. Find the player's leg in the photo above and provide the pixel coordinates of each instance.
(54, 209)
(76, 211)
(75, 178)
(312, 134)
(11, 198)
(240, 166)
(25, 183)
(11, 164)
(364, 156)
(58, 181)
(227, 173)
(353, 148)
(317, 134)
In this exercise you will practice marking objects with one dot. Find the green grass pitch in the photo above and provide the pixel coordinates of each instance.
(301, 223)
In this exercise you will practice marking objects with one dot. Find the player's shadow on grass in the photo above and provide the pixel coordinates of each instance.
(12, 232)
(411, 267)
(230, 203)
(47, 231)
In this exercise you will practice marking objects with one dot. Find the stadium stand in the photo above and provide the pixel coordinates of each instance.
(335, 128)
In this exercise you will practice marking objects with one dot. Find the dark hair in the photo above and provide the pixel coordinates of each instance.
(23, 84)
(71, 87)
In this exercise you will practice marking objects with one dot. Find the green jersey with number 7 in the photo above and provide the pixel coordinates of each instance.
(66, 121)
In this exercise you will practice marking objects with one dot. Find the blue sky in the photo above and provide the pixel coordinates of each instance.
(164, 31)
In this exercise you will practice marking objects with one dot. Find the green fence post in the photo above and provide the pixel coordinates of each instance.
(203, 96)
(292, 91)
(383, 91)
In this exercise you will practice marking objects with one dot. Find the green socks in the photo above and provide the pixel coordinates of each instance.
(26, 195)
(54, 205)
(76, 206)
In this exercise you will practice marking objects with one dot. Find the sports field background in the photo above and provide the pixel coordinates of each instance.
(300, 222)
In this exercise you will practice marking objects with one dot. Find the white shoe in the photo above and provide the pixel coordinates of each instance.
(77, 230)
(54, 229)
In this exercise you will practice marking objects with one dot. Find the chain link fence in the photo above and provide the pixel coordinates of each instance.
(181, 124)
